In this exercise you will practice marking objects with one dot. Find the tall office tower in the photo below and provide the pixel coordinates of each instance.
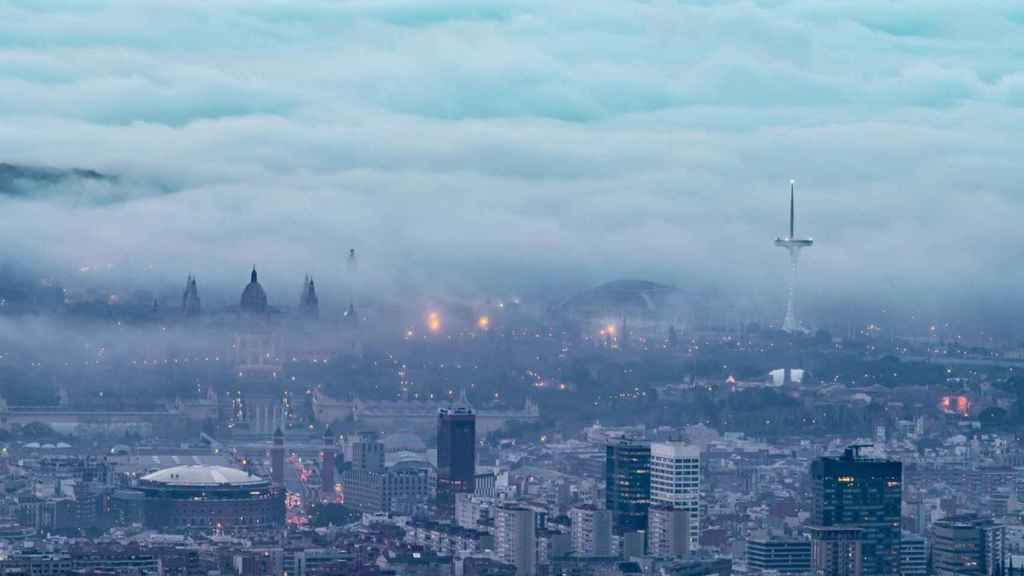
(968, 545)
(913, 555)
(456, 455)
(515, 538)
(628, 484)
(668, 534)
(856, 492)
(675, 481)
(779, 554)
(368, 452)
(591, 531)
(327, 465)
(837, 551)
(277, 459)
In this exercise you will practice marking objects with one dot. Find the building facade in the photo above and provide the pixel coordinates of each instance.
(515, 538)
(968, 545)
(676, 482)
(668, 532)
(837, 551)
(913, 555)
(403, 489)
(199, 497)
(456, 456)
(856, 492)
(591, 532)
(779, 554)
(628, 484)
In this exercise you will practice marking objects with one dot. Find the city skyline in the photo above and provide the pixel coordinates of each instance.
(498, 288)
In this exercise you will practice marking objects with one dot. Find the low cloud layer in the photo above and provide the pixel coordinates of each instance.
(509, 146)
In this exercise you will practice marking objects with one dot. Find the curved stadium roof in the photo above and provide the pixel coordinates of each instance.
(202, 475)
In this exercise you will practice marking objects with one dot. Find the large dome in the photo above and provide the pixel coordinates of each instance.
(634, 297)
(202, 475)
(254, 299)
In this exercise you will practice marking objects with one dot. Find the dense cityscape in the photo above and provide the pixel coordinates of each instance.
(616, 432)
(511, 288)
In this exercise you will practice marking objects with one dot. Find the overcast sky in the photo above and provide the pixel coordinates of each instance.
(491, 146)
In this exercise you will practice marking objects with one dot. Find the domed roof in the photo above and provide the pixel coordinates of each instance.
(403, 441)
(202, 475)
(254, 299)
(635, 296)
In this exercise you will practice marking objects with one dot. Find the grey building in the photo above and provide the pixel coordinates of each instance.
(968, 545)
(779, 554)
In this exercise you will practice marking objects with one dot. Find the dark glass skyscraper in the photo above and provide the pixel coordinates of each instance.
(628, 484)
(856, 492)
(456, 455)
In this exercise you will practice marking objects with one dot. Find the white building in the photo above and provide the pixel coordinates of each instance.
(668, 533)
(515, 537)
(591, 532)
(676, 480)
(470, 509)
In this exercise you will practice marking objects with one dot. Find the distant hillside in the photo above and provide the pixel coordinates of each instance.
(19, 180)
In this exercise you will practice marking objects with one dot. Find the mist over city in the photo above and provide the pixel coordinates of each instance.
(511, 287)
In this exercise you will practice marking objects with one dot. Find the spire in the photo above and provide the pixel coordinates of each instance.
(190, 299)
(252, 278)
(351, 318)
(309, 303)
(792, 208)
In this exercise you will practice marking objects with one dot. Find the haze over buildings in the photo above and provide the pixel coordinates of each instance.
(486, 288)
(905, 156)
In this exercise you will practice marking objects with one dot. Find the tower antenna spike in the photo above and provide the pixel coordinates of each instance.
(792, 208)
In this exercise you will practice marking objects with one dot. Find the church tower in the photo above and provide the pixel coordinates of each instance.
(309, 303)
(190, 304)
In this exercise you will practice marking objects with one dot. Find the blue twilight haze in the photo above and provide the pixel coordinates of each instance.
(495, 145)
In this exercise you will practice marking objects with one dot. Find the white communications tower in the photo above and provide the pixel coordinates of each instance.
(793, 244)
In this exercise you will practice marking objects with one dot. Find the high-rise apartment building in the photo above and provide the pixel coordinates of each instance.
(515, 538)
(676, 481)
(591, 532)
(668, 534)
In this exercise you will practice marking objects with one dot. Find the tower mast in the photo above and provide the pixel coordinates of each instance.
(793, 245)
